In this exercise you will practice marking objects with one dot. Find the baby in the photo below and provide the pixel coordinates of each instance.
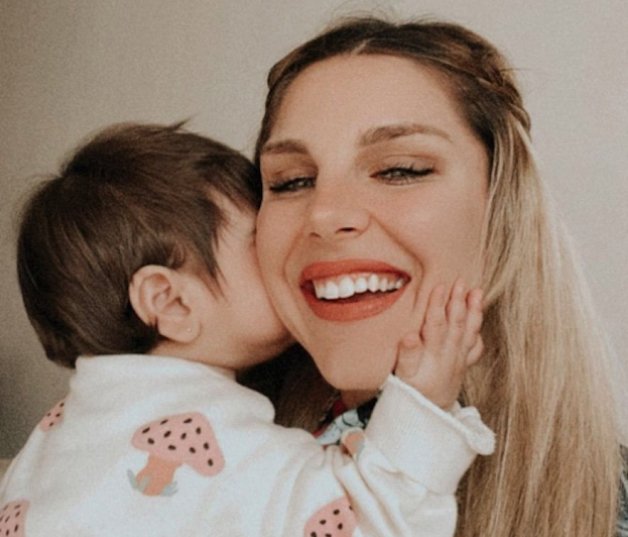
(137, 267)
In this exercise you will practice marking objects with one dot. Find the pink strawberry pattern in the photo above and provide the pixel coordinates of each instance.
(336, 519)
(12, 519)
(170, 442)
(53, 417)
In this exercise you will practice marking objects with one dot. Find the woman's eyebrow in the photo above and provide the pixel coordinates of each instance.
(372, 136)
(390, 132)
(284, 146)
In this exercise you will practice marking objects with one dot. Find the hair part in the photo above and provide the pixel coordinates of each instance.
(133, 195)
(480, 77)
(542, 384)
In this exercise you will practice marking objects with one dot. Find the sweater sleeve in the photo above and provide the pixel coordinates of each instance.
(398, 476)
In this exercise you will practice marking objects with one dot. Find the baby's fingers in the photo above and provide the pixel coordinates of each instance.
(473, 320)
(457, 313)
(409, 357)
(475, 352)
(434, 328)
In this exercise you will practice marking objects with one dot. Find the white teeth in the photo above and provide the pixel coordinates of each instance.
(346, 287)
(319, 289)
(361, 286)
(331, 291)
(373, 283)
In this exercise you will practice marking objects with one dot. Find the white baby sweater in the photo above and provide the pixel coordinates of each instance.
(156, 446)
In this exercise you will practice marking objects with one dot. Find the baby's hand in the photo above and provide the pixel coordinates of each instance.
(435, 360)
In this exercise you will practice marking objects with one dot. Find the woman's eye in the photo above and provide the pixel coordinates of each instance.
(403, 174)
(294, 184)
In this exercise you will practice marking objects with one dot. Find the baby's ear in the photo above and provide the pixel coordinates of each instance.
(159, 297)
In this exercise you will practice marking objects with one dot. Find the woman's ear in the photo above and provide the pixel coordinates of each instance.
(158, 297)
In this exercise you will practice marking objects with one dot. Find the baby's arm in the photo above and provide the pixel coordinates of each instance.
(435, 360)
(419, 442)
(402, 473)
(408, 462)
(399, 476)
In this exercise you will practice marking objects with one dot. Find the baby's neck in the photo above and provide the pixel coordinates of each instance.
(183, 352)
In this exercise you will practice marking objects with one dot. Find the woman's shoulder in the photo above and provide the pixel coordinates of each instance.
(622, 522)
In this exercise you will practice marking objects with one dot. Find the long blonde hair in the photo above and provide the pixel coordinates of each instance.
(542, 384)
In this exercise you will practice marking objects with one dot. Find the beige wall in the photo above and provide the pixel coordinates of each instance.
(70, 67)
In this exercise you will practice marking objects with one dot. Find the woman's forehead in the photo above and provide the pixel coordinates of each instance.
(363, 97)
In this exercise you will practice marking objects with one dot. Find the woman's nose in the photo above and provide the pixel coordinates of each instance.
(336, 212)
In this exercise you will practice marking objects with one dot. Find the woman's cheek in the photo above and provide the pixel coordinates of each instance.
(272, 253)
(267, 247)
(353, 363)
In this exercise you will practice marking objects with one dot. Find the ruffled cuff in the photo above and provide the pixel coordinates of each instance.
(432, 446)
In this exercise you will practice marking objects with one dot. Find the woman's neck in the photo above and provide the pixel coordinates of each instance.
(354, 398)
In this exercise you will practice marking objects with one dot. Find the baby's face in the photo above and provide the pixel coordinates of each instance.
(251, 323)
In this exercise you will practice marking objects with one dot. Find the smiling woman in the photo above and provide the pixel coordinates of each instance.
(362, 177)
(396, 158)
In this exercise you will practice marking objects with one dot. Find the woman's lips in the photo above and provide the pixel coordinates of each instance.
(351, 289)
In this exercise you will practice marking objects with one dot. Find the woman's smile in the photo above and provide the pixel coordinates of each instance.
(351, 289)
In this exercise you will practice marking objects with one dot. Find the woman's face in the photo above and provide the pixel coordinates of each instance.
(374, 192)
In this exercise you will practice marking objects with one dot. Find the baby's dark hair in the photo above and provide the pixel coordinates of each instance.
(133, 195)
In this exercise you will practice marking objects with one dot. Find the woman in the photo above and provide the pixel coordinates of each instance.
(403, 152)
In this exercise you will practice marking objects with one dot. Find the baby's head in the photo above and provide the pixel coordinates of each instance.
(144, 238)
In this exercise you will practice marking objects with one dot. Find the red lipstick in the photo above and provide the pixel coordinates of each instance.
(358, 306)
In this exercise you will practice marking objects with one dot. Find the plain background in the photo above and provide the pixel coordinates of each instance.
(68, 68)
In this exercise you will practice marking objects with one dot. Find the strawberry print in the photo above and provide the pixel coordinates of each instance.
(12, 518)
(53, 417)
(171, 442)
(336, 519)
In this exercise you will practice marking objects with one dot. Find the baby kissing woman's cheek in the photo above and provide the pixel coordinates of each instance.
(373, 194)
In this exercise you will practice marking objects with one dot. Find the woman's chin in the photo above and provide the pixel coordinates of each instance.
(353, 358)
(355, 398)
(356, 379)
